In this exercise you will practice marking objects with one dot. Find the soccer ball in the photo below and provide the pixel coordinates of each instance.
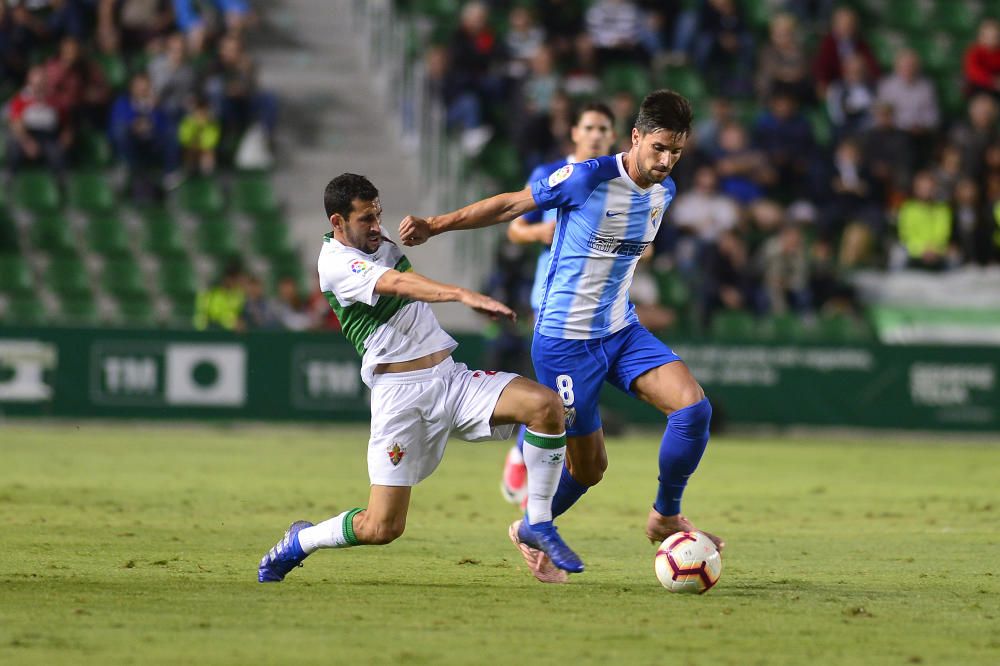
(688, 562)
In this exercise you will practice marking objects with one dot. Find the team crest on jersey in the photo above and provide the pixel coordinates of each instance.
(560, 175)
(654, 215)
(396, 453)
(360, 266)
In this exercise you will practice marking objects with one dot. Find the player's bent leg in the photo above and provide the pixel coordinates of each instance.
(541, 411)
(385, 518)
(672, 389)
(382, 522)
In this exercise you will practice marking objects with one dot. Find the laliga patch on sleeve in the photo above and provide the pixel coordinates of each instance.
(361, 267)
(560, 175)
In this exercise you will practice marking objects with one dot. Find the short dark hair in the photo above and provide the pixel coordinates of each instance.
(664, 110)
(597, 107)
(344, 189)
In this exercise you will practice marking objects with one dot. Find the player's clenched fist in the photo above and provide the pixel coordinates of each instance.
(414, 230)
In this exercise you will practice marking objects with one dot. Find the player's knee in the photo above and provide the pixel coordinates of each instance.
(692, 394)
(547, 412)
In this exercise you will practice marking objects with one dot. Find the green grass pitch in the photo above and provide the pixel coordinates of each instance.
(139, 544)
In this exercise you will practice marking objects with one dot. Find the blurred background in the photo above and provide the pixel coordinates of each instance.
(832, 257)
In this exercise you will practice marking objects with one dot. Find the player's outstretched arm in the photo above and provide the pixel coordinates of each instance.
(419, 288)
(495, 210)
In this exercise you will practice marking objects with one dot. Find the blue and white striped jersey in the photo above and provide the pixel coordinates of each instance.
(604, 223)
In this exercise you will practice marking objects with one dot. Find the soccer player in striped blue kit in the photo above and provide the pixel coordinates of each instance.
(592, 135)
(587, 332)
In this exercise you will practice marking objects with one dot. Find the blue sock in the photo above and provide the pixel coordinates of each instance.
(520, 438)
(568, 492)
(680, 451)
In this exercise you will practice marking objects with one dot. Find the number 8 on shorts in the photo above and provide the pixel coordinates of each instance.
(564, 386)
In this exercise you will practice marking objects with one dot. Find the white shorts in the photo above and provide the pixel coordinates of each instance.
(414, 414)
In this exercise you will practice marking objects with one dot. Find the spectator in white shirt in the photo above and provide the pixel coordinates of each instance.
(703, 210)
(616, 28)
(911, 95)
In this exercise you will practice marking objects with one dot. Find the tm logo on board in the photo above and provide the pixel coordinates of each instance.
(168, 374)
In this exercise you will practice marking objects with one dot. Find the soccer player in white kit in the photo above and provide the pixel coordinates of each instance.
(420, 397)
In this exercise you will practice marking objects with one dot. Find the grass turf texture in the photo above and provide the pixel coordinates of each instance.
(128, 544)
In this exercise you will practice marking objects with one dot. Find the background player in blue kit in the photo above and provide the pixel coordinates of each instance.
(587, 332)
(592, 135)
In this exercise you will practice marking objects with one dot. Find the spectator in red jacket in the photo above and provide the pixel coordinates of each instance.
(842, 41)
(78, 87)
(982, 60)
(38, 128)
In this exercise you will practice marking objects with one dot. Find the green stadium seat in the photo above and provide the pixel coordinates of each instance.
(163, 239)
(92, 150)
(217, 237)
(67, 276)
(25, 310)
(10, 241)
(80, 310)
(500, 161)
(686, 81)
(91, 193)
(253, 194)
(182, 313)
(270, 237)
(759, 13)
(910, 16)
(673, 290)
(36, 191)
(137, 311)
(630, 78)
(108, 236)
(781, 328)
(958, 17)
(123, 278)
(177, 278)
(733, 326)
(843, 329)
(445, 9)
(288, 265)
(950, 92)
(886, 43)
(114, 69)
(51, 232)
(202, 196)
(820, 123)
(15, 275)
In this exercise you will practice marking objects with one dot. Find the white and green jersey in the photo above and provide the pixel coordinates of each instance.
(384, 329)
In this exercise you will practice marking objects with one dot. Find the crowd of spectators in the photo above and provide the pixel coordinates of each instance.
(239, 301)
(168, 82)
(808, 158)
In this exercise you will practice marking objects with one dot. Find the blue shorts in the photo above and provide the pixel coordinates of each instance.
(577, 369)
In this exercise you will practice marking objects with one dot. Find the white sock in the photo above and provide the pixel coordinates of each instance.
(337, 532)
(543, 456)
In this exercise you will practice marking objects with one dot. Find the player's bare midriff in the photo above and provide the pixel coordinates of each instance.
(421, 363)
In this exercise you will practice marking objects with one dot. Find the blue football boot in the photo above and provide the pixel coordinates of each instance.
(544, 537)
(285, 556)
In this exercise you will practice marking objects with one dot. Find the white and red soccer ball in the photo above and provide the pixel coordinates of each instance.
(688, 562)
